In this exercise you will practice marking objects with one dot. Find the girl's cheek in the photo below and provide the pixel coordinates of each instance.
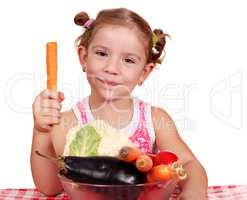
(92, 66)
(95, 64)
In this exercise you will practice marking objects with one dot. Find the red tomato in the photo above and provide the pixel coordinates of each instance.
(165, 157)
(160, 173)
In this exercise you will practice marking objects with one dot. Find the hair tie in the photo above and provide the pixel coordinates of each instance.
(155, 39)
(88, 23)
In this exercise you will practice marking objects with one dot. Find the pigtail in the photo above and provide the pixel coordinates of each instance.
(81, 18)
(158, 45)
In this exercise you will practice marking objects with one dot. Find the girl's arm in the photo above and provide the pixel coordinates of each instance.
(44, 172)
(46, 112)
(167, 137)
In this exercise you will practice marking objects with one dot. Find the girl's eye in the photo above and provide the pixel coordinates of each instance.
(128, 60)
(100, 53)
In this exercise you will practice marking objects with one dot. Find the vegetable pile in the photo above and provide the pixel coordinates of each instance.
(96, 153)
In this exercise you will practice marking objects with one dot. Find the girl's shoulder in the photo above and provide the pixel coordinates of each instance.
(158, 115)
(158, 112)
(59, 131)
(161, 119)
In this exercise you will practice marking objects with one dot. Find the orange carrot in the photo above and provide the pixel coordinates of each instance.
(144, 163)
(51, 63)
(129, 154)
(160, 173)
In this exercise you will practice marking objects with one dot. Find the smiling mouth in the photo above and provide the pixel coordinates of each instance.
(108, 83)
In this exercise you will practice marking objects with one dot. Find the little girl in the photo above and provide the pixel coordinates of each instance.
(117, 51)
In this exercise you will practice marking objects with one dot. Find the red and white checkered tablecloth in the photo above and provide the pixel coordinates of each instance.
(27, 194)
(214, 193)
(230, 192)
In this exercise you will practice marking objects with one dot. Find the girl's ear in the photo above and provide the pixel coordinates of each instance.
(148, 68)
(82, 53)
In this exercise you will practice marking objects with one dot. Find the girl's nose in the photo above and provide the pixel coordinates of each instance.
(112, 66)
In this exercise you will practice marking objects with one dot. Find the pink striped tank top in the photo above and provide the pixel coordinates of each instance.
(140, 129)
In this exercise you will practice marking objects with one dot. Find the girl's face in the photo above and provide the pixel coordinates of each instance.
(115, 62)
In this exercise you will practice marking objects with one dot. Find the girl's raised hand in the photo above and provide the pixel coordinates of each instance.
(47, 110)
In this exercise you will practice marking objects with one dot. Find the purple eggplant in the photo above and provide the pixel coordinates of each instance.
(102, 170)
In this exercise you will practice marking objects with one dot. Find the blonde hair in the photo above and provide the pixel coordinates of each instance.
(124, 17)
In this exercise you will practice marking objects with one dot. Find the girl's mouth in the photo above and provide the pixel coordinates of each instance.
(108, 83)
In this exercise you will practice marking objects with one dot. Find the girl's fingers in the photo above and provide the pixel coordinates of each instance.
(52, 104)
(50, 112)
(60, 97)
(49, 120)
(49, 94)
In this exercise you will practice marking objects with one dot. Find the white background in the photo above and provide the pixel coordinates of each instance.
(201, 83)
